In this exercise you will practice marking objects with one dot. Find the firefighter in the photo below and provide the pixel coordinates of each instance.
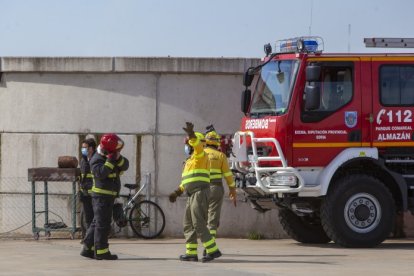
(219, 168)
(106, 165)
(88, 149)
(195, 181)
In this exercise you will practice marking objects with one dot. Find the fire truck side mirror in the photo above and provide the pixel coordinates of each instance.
(312, 97)
(248, 77)
(245, 100)
(313, 73)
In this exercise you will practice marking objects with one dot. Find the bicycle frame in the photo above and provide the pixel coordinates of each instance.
(145, 217)
(131, 201)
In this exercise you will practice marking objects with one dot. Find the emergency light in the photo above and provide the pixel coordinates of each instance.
(303, 44)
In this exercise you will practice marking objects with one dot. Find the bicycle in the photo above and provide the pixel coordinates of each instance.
(145, 217)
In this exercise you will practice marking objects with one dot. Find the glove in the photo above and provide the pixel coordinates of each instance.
(233, 196)
(189, 129)
(210, 128)
(113, 156)
(173, 196)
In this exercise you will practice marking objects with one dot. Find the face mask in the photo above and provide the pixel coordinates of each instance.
(188, 150)
(84, 151)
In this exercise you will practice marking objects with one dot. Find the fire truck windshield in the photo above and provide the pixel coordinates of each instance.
(274, 88)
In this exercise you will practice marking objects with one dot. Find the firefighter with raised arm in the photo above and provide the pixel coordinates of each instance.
(106, 165)
(195, 181)
(219, 169)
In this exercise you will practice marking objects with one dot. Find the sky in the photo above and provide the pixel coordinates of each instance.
(194, 28)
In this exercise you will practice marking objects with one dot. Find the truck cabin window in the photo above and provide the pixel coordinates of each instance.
(273, 89)
(336, 91)
(336, 88)
(397, 85)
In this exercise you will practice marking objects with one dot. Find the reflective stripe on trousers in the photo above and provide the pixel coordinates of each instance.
(210, 246)
(102, 251)
(191, 249)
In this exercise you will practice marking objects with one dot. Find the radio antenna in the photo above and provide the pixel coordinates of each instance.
(311, 15)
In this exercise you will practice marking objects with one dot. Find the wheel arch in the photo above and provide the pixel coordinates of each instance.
(375, 168)
(346, 156)
(366, 161)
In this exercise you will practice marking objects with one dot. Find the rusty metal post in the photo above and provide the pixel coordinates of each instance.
(46, 199)
(33, 207)
(148, 186)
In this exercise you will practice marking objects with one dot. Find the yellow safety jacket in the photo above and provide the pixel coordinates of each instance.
(196, 172)
(219, 167)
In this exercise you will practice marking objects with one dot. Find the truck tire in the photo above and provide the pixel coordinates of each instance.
(301, 229)
(358, 212)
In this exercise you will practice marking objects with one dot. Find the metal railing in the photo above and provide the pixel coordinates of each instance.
(242, 157)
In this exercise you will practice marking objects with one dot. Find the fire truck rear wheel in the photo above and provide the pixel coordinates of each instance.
(358, 212)
(302, 229)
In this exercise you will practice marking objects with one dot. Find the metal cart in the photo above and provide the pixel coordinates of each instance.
(46, 175)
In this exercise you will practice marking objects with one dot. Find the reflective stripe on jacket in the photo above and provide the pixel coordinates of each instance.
(219, 167)
(106, 174)
(86, 180)
(196, 172)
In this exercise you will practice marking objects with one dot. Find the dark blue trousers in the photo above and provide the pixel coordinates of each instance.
(98, 232)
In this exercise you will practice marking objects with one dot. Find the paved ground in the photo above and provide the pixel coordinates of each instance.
(241, 257)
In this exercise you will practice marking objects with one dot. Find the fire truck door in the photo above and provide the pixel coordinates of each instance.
(321, 134)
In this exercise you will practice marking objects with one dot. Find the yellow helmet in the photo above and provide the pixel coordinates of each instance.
(212, 138)
(200, 136)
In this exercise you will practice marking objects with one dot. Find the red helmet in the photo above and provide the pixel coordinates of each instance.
(110, 143)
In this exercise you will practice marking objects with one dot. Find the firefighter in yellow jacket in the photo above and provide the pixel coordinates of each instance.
(195, 181)
(219, 169)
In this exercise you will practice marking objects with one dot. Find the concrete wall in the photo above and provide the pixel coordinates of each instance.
(48, 104)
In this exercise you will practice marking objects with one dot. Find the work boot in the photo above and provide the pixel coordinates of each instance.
(189, 258)
(212, 256)
(106, 256)
(87, 253)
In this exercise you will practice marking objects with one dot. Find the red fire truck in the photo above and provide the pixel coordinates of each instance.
(327, 139)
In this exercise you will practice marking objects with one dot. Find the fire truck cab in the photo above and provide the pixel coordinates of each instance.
(328, 140)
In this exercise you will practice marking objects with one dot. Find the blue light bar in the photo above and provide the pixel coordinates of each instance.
(310, 45)
(304, 44)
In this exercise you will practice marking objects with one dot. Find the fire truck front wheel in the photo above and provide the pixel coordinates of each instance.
(302, 229)
(358, 212)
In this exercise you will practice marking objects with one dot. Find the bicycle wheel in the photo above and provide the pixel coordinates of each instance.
(147, 219)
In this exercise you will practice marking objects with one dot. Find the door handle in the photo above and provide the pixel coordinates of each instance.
(370, 118)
